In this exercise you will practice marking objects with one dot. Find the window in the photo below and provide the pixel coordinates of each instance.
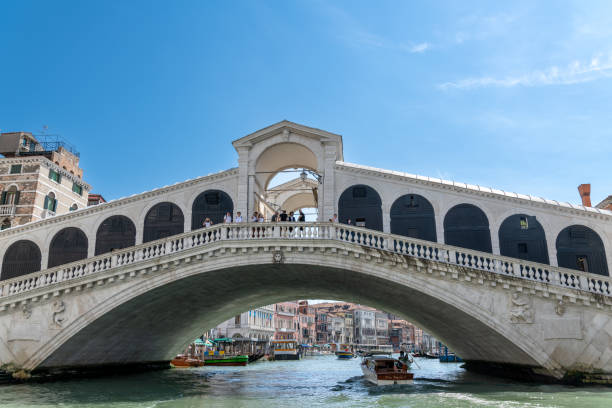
(77, 189)
(74, 207)
(582, 263)
(522, 248)
(55, 176)
(15, 169)
(50, 202)
(10, 197)
(524, 224)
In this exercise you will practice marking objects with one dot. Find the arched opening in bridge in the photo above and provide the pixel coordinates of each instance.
(360, 205)
(163, 220)
(21, 258)
(115, 232)
(286, 179)
(413, 216)
(294, 190)
(68, 245)
(213, 204)
(581, 248)
(467, 226)
(159, 323)
(522, 236)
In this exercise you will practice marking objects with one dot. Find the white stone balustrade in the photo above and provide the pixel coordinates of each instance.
(400, 245)
(7, 209)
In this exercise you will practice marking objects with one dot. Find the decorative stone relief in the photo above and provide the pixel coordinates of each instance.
(58, 310)
(521, 309)
(278, 257)
(560, 308)
(26, 310)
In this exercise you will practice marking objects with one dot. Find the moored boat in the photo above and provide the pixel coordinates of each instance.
(380, 368)
(240, 360)
(344, 354)
(182, 360)
(285, 350)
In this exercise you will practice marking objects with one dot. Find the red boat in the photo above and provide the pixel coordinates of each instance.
(183, 361)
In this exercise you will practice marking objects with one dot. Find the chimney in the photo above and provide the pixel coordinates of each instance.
(585, 194)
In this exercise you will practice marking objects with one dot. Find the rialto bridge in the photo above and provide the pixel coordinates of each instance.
(509, 281)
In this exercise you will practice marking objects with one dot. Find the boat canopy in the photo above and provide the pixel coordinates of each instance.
(306, 345)
(223, 340)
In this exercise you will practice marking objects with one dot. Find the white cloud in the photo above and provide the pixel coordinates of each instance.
(574, 73)
(422, 47)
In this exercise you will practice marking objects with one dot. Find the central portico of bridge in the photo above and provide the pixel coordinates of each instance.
(506, 280)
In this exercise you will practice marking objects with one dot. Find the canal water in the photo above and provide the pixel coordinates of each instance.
(312, 382)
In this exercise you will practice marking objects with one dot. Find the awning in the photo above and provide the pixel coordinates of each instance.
(224, 340)
(306, 345)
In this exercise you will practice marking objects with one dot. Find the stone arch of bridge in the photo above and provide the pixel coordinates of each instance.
(283, 156)
(160, 324)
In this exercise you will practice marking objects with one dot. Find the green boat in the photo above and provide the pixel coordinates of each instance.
(220, 360)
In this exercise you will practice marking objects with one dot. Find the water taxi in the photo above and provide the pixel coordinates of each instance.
(344, 352)
(285, 350)
(380, 368)
(219, 358)
(182, 360)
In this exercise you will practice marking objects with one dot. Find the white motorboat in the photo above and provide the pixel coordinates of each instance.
(380, 368)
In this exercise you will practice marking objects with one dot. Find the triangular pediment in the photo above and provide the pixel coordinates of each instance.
(288, 127)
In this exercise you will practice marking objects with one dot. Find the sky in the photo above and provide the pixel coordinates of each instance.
(512, 95)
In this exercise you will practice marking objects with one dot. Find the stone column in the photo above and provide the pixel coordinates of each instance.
(327, 197)
(242, 197)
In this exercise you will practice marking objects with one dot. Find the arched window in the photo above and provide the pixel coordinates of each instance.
(467, 226)
(213, 204)
(74, 207)
(362, 205)
(10, 196)
(163, 220)
(21, 258)
(115, 232)
(413, 216)
(68, 245)
(579, 247)
(522, 236)
(50, 202)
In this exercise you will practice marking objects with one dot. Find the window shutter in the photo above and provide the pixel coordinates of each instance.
(54, 205)
(3, 200)
(16, 201)
(46, 205)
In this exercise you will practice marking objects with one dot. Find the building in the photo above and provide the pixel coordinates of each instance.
(382, 328)
(286, 321)
(253, 325)
(307, 323)
(365, 326)
(95, 199)
(38, 179)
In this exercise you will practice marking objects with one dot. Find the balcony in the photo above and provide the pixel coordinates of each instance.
(7, 209)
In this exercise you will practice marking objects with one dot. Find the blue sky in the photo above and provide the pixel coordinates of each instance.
(513, 95)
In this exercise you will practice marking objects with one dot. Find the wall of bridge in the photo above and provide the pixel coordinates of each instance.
(496, 206)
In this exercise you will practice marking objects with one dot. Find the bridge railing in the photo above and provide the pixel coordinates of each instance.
(400, 245)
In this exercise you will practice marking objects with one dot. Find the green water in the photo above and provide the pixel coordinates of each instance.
(311, 382)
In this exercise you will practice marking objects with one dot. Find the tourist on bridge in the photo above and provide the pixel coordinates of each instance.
(227, 219)
(275, 217)
(291, 217)
(207, 223)
(238, 217)
(283, 216)
(334, 218)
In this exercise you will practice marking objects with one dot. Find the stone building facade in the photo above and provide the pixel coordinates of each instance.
(36, 183)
